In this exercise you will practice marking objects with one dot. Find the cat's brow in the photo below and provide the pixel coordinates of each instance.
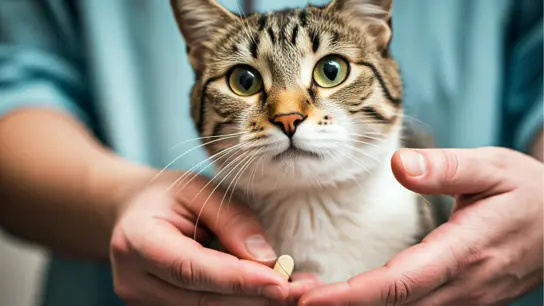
(314, 36)
(254, 46)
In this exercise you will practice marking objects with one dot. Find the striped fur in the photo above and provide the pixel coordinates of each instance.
(361, 117)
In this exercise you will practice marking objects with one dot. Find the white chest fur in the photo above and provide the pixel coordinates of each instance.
(339, 232)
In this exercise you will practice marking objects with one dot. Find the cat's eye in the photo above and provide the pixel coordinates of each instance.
(245, 81)
(331, 71)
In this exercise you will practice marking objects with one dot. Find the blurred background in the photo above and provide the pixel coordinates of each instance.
(21, 271)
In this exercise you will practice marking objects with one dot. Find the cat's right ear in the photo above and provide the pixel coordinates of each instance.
(199, 21)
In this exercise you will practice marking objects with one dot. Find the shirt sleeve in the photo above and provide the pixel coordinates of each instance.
(38, 61)
(523, 109)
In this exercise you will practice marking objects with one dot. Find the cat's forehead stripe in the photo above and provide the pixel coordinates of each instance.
(303, 17)
(254, 46)
(262, 21)
(271, 34)
(314, 36)
(294, 35)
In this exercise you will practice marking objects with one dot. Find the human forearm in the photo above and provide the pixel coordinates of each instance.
(58, 186)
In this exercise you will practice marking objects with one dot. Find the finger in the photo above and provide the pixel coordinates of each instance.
(305, 277)
(170, 295)
(301, 283)
(449, 171)
(469, 292)
(184, 263)
(447, 295)
(234, 224)
(410, 275)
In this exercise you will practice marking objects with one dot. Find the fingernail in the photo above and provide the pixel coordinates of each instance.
(260, 249)
(413, 162)
(273, 292)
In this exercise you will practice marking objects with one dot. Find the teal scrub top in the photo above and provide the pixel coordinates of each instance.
(472, 71)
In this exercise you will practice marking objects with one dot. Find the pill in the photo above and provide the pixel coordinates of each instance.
(285, 266)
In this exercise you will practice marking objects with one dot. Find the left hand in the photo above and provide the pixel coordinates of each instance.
(489, 252)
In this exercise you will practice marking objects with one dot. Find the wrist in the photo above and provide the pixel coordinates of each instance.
(112, 182)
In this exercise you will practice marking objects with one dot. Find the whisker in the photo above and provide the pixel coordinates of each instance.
(244, 154)
(235, 181)
(362, 152)
(252, 177)
(367, 136)
(355, 160)
(218, 174)
(241, 172)
(245, 27)
(183, 154)
(207, 137)
(365, 143)
(219, 155)
(355, 140)
(229, 156)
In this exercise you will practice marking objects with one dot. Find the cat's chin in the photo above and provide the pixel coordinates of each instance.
(297, 171)
(294, 153)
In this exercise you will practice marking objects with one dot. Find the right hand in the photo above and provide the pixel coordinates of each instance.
(156, 261)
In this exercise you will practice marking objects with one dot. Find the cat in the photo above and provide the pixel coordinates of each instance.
(305, 109)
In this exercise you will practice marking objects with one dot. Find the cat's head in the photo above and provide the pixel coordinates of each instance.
(297, 97)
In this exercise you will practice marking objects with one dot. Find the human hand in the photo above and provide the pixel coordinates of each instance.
(488, 253)
(156, 261)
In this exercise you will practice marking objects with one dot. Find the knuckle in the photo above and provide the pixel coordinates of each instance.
(398, 292)
(450, 164)
(184, 273)
(237, 286)
(119, 246)
(240, 216)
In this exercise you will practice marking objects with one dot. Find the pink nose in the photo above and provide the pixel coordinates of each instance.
(288, 122)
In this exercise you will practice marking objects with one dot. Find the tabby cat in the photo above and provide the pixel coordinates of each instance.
(306, 110)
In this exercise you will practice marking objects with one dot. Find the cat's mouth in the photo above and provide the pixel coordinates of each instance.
(294, 152)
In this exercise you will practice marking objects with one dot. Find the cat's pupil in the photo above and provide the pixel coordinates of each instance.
(246, 80)
(331, 69)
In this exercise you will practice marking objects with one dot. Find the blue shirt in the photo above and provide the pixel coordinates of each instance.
(472, 71)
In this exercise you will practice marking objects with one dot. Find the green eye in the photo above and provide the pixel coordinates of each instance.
(331, 71)
(245, 81)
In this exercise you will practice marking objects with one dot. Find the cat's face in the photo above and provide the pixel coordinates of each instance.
(293, 98)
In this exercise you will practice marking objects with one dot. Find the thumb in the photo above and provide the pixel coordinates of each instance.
(234, 224)
(448, 171)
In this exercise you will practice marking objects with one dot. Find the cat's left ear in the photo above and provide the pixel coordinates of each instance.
(372, 16)
(199, 21)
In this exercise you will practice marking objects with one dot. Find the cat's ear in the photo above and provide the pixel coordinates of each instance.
(199, 21)
(372, 16)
